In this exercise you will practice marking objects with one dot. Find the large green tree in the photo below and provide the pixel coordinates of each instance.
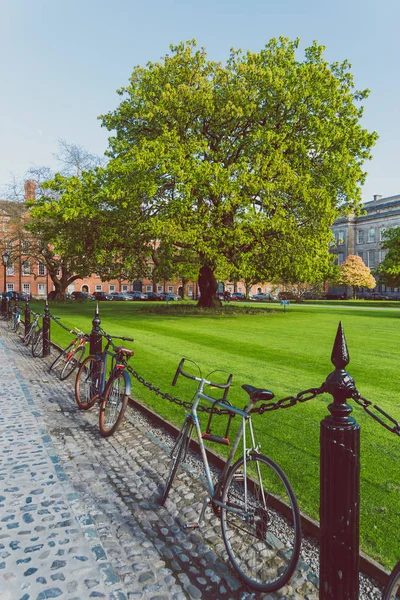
(259, 155)
(389, 269)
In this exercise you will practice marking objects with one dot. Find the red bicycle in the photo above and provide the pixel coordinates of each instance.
(71, 358)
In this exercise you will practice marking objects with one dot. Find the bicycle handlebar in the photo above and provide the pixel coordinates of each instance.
(115, 337)
(180, 371)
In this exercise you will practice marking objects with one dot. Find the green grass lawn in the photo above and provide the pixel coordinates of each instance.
(286, 353)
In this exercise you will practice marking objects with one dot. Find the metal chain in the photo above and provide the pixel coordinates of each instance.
(366, 404)
(284, 403)
(56, 320)
(289, 400)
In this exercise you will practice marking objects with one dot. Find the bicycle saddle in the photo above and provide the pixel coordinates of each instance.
(124, 351)
(257, 394)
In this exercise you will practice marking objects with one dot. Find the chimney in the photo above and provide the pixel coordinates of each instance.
(30, 189)
(377, 196)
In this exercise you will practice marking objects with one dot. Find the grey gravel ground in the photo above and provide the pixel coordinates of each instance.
(79, 514)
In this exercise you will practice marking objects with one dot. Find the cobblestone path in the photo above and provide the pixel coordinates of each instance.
(79, 514)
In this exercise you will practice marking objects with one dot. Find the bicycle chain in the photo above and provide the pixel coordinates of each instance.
(365, 404)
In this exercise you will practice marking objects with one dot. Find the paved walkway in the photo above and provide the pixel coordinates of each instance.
(79, 514)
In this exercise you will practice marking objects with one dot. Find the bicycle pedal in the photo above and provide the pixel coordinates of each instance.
(191, 525)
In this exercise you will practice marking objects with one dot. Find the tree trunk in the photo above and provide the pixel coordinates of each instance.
(208, 289)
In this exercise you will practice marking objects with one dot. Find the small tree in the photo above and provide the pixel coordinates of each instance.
(355, 273)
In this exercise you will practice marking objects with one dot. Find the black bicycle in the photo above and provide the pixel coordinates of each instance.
(112, 393)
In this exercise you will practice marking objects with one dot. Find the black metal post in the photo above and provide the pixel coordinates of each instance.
(27, 316)
(46, 330)
(4, 298)
(96, 340)
(340, 485)
(9, 307)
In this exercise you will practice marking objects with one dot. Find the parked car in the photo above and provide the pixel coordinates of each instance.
(82, 296)
(102, 296)
(168, 296)
(136, 295)
(261, 297)
(18, 296)
(377, 296)
(153, 296)
(53, 294)
(120, 296)
(238, 296)
(336, 297)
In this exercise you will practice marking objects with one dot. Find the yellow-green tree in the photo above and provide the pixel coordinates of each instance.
(355, 273)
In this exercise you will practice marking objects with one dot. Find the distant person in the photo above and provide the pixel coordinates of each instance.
(227, 296)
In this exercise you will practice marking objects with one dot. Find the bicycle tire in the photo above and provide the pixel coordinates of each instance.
(392, 589)
(87, 382)
(177, 454)
(263, 545)
(113, 404)
(37, 343)
(72, 363)
(28, 336)
(16, 325)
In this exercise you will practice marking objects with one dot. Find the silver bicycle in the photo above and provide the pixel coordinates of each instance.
(260, 519)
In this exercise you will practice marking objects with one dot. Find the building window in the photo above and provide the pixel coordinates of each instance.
(111, 288)
(170, 289)
(25, 245)
(383, 254)
(26, 288)
(10, 287)
(371, 258)
(340, 258)
(190, 291)
(149, 288)
(26, 267)
(97, 288)
(59, 272)
(371, 235)
(382, 233)
(360, 236)
(41, 288)
(41, 269)
(159, 289)
(9, 245)
(341, 238)
(361, 255)
(124, 288)
(10, 268)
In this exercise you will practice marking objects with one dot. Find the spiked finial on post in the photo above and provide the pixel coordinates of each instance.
(340, 355)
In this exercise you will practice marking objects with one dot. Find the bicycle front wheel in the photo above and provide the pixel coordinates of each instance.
(113, 404)
(392, 589)
(72, 362)
(262, 543)
(28, 336)
(87, 383)
(37, 343)
(178, 453)
(61, 358)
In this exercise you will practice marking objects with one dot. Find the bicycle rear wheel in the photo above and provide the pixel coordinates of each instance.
(37, 343)
(87, 383)
(392, 589)
(16, 325)
(72, 362)
(178, 454)
(113, 404)
(262, 543)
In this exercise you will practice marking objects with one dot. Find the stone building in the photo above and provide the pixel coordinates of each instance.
(363, 237)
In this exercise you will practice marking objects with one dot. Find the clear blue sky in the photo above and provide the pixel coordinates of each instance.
(63, 60)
